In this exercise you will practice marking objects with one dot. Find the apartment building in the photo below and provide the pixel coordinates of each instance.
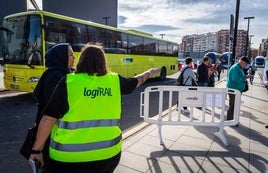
(263, 49)
(197, 45)
(205, 42)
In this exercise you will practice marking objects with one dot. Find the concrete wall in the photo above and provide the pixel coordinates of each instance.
(93, 10)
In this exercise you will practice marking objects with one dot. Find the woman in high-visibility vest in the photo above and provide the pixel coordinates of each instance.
(83, 117)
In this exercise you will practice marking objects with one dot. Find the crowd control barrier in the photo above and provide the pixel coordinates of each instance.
(208, 107)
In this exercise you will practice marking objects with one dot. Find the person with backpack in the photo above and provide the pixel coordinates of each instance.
(188, 78)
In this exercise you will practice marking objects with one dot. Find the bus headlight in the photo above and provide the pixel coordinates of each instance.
(33, 79)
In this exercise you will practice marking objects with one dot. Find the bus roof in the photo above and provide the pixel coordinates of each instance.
(50, 14)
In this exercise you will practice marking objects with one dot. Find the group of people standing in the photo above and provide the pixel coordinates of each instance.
(205, 75)
(236, 79)
(206, 72)
(75, 132)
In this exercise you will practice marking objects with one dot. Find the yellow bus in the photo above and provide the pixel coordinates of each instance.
(28, 35)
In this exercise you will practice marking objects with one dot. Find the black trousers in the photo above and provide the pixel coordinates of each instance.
(230, 112)
(101, 166)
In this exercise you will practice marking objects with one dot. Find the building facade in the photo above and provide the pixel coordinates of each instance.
(223, 41)
(263, 49)
(241, 42)
(205, 42)
(197, 46)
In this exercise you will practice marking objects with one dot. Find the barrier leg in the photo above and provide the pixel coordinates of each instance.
(221, 136)
(160, 134)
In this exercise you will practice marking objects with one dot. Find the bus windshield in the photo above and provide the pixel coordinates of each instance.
(23, 43)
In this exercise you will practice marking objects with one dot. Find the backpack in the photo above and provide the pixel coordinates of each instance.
(180, 78)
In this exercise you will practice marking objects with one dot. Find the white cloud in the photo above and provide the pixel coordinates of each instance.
(182, 17)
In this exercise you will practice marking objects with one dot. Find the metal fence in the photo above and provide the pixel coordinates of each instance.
(208, 107)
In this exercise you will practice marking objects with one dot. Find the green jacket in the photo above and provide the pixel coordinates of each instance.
(236, 78)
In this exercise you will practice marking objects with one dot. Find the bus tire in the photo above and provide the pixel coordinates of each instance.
(163, 73)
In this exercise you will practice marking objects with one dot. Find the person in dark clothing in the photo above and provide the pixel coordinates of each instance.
(58, 64)
(59, 61)
(219, 68)
(83, 117)
(202, 72)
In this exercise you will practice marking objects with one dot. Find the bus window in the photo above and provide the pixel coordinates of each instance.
(25, 41)
(125, 42)
(172, 49)
(112, 39)
(175, 51)
(149, 46)
(162, 48)
(59, 31)
(135, 44)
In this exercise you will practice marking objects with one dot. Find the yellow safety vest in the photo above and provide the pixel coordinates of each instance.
(89, 131)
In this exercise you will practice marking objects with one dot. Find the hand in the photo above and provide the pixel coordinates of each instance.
(248, 76)
(154, 71)
(38, 158)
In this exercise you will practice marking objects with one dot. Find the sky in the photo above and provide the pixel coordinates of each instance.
(177, 18)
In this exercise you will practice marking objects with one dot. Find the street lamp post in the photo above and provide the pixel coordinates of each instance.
(106, 19)
(162, 36)
(246, 50)
(249, 49)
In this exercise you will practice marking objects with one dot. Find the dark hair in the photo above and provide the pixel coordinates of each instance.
(92, 61)
(188, 60)
(245, 59)
(206, 58)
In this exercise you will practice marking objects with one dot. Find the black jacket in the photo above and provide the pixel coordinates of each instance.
(57, 64)
(202, 72)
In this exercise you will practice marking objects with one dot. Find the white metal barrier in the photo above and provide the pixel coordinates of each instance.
(208, 107)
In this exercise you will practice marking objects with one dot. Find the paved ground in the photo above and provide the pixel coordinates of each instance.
(196, 149)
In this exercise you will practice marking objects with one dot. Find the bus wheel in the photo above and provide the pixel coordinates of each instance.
(163, 73)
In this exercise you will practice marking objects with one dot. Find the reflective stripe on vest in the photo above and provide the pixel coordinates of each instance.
(86, 124)
(85, 147)
(89, 131)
